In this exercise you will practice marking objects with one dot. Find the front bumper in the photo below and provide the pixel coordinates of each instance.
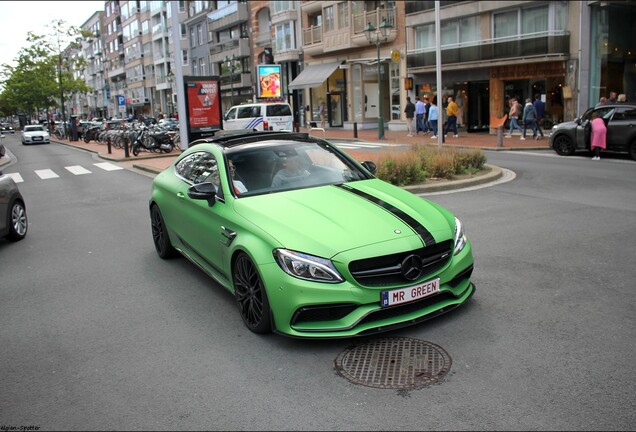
(313, 310)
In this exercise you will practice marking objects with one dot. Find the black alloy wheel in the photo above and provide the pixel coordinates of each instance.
(18, 223)
(160, 234)
(563, 145)
(251, 296)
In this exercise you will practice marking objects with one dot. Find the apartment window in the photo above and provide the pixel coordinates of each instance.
(469, 29)
(195, 67)
(328, 14)
(193, 40)
(506, 24)
(343, 15)
(284, 37)
(184, 31)
(425, 37)
(281, 6)
(200, 33)
(184, 57)
(448, 33)
(534, 20)
(182, 5)
(202, 66)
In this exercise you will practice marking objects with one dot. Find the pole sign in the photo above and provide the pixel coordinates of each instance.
(121, 103)
(203, 105)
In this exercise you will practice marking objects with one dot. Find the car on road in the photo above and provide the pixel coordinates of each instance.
(310, 243)
(13, 217)
(35, 134)
(7, 128)
(620, 119)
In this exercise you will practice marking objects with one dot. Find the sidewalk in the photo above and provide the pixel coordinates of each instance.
(153, 162)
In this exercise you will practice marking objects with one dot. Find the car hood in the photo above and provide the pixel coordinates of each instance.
(328, 220)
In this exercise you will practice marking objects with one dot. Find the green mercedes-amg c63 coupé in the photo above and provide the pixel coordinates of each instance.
(310, 243)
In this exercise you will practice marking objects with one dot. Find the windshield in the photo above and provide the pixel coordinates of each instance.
(274, 166)
(33, 128)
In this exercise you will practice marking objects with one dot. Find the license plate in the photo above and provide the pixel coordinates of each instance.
(406, 295)
(37, 138)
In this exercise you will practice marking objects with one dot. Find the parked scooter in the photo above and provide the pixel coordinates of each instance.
(160, 142)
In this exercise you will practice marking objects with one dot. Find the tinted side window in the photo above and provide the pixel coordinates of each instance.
(278, 110)
(245, 112)
(625, 114)
(199, 167)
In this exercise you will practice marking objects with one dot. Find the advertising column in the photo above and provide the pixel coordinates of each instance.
(203, 105)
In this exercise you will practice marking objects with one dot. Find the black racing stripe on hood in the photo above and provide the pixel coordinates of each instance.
(415, 225)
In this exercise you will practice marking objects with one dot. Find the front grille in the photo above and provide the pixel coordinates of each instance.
(396, 311)
(387, 270)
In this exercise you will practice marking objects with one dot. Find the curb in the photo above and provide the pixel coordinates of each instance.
(493, 173)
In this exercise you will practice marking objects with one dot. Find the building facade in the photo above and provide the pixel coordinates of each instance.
(361, 59)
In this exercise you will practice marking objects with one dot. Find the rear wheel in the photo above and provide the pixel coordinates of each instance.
(251, 296)
(632, 150)
(17, 222)
(160, 234)
(563, 145)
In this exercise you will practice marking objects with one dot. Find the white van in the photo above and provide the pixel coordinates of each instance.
(276, 116)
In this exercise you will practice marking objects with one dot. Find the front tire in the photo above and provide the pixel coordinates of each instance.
(563, 145)
(251, 296)
(160, 234)
(18, 223)
(135, 149)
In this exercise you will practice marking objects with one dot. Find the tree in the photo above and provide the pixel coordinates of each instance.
(45, 73)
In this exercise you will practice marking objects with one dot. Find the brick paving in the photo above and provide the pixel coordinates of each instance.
(158, 162)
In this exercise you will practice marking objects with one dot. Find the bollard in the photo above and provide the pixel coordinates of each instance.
(355, 129)
(126, 153)
(109, 148)
(500, 135)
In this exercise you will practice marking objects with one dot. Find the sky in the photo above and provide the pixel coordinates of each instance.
(17, 18)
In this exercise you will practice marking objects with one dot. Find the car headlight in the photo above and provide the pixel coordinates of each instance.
(460, 237)
(307, 267)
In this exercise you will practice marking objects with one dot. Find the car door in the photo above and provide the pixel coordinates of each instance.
(229, 121)
(199, 223)
(621, 128)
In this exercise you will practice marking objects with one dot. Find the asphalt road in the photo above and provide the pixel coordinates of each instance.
(98, 333)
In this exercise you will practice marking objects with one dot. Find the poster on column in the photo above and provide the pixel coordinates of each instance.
(203, 105)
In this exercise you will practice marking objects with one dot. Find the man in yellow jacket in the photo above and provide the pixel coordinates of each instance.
(451, 116)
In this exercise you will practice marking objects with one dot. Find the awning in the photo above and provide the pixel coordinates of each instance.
(313, 76)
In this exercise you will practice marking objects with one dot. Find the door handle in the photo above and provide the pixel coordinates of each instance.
(180, 195)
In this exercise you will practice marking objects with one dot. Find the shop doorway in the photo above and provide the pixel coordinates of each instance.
(478, 107)
(335, 111)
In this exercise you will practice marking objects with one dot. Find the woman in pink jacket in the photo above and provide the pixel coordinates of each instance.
(598, 136)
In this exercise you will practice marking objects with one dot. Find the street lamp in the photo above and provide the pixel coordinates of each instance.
(230, 62)
(378, 36)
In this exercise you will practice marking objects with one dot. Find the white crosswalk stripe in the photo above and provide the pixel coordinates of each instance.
(108, 166)
(16, 177)
(78, 170)
(46, 174)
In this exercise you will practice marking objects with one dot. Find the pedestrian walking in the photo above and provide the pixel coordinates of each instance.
(409, 110)
(515, 112)
(539, 107)
(452, 110)
(529, 119)
(420, 111)
(433, 116)
(427, 123)
(598, 136)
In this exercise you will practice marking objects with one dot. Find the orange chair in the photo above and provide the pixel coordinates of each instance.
(496, 122)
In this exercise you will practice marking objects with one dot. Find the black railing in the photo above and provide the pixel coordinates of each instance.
(495, 50)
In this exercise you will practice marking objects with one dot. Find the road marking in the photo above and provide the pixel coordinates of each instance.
(16, 177)
(78, 170)
(46, 174)
(108, 166)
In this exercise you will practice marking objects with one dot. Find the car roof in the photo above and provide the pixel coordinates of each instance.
(232, 138)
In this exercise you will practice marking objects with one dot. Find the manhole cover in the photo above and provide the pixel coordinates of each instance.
(394, 363)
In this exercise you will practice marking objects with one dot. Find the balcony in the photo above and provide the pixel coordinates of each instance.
(240, 80)
(240, 48)
(263, 38)
(544, 44)
(228, 16)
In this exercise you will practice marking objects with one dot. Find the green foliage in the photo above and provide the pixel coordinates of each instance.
(423, 162)
(43, 72)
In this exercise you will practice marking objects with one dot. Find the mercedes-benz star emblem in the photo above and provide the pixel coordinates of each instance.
(412, 267)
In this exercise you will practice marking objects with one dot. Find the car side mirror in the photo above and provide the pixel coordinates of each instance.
(203, 191)
(577, 120)
(370, 166)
